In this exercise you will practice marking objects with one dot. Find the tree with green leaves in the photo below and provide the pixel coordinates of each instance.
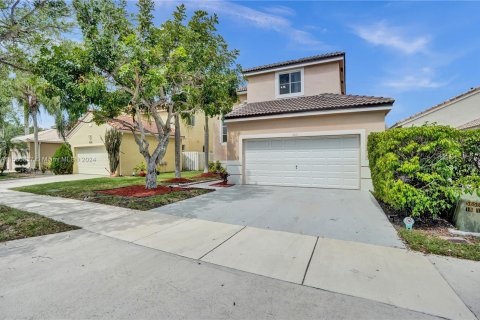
(129, 66)
(221, 76)
(26, 25)
(126, 68)
(9, 128)
(32, 93)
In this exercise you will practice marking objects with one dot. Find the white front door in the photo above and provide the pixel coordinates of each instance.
(324, 161)
(92, 160)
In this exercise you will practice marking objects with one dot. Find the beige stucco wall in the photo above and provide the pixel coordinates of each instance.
(47, 150)
(193, 136)
(90, 135)
(130, 155)
(362, 123)
(456, 114)
(219, 149)
(321, 78)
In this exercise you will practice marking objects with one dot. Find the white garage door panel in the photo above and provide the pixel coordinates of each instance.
(327, 162)
(92, 160)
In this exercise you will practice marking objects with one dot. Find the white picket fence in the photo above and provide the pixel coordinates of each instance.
(194, 160)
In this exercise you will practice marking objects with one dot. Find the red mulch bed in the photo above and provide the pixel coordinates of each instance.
(140, 191)
(177, 180)
(221, 184)
(207, 175)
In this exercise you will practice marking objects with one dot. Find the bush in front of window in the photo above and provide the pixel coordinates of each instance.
(422, 171)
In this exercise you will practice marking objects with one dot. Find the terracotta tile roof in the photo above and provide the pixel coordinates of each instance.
(438, 106)
(49, 136)
(293, 62)
(321, 102)
(471, 124)
(149, 125)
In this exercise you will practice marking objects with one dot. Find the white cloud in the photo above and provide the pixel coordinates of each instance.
(271, 19)
(414, 82)
(382, 34)
(424, 78)
(280, 10)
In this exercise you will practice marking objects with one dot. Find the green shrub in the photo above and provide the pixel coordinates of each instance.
(112, 142)
(215, 167)
(62, 161)
(21, 163)
(421, 171)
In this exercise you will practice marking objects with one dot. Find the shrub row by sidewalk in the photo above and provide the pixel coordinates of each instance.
(421, 171)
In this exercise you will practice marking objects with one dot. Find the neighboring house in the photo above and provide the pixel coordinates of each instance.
(295, 126)
(462, 112)
(89, 150)
(49, 141)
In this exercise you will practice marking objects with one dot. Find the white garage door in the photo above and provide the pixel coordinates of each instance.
(325, 162)
(92, 160)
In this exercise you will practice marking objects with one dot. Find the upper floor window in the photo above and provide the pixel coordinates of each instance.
(289, 83)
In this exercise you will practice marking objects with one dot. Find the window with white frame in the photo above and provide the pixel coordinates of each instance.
(289, 83)
(224, 131)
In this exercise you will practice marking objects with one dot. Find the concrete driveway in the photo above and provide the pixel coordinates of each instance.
(338, 214)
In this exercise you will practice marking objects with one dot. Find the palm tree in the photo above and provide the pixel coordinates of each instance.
(31, 91)
(7, 132)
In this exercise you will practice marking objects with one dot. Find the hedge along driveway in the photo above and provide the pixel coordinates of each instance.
(421, 171)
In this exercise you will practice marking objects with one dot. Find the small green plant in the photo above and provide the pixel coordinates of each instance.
(223, 174)
(62, 161)
(45, 166)
(112, 142)
(215, 167)
(140, 169)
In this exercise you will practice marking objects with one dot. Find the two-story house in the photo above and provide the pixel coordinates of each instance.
(296, 126)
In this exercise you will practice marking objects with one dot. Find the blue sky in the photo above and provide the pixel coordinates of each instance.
(419, 53)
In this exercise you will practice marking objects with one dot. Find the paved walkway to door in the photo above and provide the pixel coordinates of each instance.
(338, 214)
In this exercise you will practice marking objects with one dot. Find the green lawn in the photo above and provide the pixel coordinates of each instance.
(17, 224)
(420, 241)
(185, 174)
(85, 190)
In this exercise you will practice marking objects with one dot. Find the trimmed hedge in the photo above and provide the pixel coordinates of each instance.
(62, 161)
(421, 171)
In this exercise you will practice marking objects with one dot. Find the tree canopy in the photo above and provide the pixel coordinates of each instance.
(129, 66)
(27, 25)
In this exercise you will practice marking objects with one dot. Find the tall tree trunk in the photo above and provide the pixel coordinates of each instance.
(207, 147)
(151, 177)
(34, 112)
(26, 124)
(178, 146)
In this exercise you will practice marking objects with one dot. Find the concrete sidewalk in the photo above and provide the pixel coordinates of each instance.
(387, 275)
(83, 275)
(13, 183)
